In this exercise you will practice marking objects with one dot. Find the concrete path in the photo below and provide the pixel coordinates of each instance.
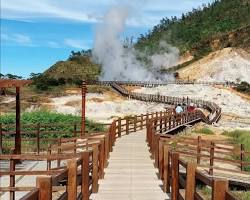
(130, 174)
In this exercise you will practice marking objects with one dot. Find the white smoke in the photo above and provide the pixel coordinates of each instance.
(118, 62)
(166, 59)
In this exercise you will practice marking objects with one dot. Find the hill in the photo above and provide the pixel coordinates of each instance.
(78, 66)
(202, 30)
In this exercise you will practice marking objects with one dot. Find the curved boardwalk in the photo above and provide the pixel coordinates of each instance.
(131, 174)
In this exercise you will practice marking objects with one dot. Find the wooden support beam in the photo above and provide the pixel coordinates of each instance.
(219, 189)
(175, 176)
(44, 184)
(72, 179)
(190, 180)
(18, 130)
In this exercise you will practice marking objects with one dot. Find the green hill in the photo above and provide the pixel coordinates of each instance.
(78, 66)
(196, 31)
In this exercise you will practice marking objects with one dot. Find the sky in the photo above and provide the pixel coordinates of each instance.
(37, 33)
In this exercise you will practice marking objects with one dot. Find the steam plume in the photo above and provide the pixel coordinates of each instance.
(118, 62)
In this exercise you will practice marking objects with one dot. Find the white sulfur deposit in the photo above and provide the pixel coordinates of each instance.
(233, 106)
(100, 109)
(228, 64)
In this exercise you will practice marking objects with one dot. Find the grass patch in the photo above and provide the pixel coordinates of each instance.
(46, 117)
(205, 131)
(241, 137)
(61, 126)
(242, 195)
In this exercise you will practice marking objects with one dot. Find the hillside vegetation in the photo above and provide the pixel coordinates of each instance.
(78, 66)
(213, 26)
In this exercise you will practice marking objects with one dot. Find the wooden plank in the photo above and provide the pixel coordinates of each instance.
(44, 184)
(190, 180)
(95, 170)
(72, 179)
(175, 176)
(32, 195)
(85, 176)
(219, 189)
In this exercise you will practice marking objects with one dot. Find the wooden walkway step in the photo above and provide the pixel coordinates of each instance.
(131, 174)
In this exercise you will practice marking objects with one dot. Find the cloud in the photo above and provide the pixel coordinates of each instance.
(16, 38)
(78, 44)
(52, 44)
(148, 12)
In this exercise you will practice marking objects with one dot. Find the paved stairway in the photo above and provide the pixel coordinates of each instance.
(130, 174)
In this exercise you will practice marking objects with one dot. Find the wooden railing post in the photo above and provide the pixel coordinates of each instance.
(190, 180)
(1, 139)
(44, 184)
(219, 189)
(198, 150)
(49, 161)
(119, 127)
(166, 180)
(95, 170)
(242, 156)
(59, 151)
(85, 176)
(211, 158)
(135, 123)
(141, 121)
(38, 138)
(175, 176)
(12, 178)
(127, 125)
(102, 159)
(72, 179)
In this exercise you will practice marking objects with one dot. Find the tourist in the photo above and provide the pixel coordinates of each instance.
(178, 109)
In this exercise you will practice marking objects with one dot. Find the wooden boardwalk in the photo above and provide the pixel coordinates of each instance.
(131, 174)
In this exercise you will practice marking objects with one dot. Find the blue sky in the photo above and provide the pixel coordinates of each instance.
(37, 33)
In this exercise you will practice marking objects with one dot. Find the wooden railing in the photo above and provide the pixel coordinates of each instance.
(71, 151)
(159, 132)
(180, 174)
(158, 83)
(214, 109)
(36, 137)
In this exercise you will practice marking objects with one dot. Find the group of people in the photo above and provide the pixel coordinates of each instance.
(181, 108)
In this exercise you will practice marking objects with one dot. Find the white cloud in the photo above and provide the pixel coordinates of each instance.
(145, 12)
(79, 44)
(52, 44)
(16, 38)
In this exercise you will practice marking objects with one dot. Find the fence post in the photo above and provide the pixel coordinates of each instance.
(190, 180)
(127, 125)
(49, 161)
(119, 127)
(242, 156)
(135, 123)
(1, 139)
(175, 176)
(12, 178)
(102, 159)
(44, 184)
(198, 149)
(219, 189)
(141, 121)
(72, 179)
(95, 169)
(161, 122)
(211, 158)
(166, 180)
(38, 138)
(85, 175)
(59, 151)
